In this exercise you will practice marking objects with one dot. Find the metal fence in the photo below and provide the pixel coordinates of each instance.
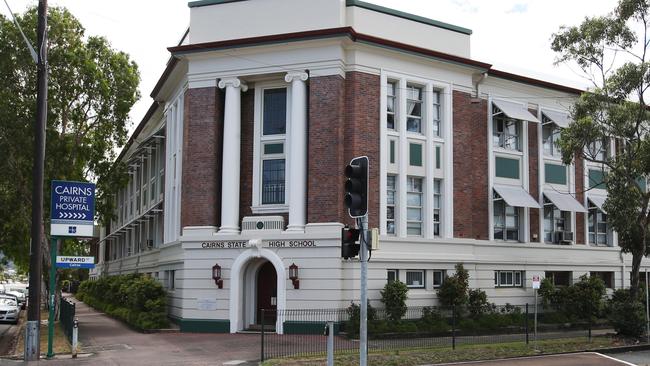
(420, 327)
(66, 317)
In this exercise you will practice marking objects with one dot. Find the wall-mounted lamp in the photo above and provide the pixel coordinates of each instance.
(293, 275)
(216, 275)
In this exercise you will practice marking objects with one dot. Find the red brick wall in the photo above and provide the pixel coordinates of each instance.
(202, 150)
(533, 178)
(325, 149)
(470, 167)
(246, 162)
(580, 196)
(362, 117)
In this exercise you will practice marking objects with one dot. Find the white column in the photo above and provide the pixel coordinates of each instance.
(231, 155)
(298, 151)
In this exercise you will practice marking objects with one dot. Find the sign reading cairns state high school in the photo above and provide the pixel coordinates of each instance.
(74, 262)
(73, 209)
(239, 244)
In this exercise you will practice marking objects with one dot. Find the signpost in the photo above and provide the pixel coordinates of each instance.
(72, 214)
(536, 285)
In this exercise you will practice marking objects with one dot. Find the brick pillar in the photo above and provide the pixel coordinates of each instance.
(471, 208)
(325, 160)
(362, 117)
(202, 149)
(533, 178)
(580, 196)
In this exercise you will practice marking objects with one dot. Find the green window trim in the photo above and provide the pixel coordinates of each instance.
(506, 168)
(596, 179)
(392, 151)
(415, 154)
(273, 148)
(438, 157)
(555, 174)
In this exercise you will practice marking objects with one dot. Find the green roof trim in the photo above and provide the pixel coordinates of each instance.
(408, 16)
(196, 4)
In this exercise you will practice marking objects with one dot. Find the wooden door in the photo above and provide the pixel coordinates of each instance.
(267, 293)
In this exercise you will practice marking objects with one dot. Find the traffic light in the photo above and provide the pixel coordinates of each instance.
(349, 246)
(356, 187)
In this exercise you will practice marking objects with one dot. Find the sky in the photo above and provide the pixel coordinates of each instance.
(512, 35)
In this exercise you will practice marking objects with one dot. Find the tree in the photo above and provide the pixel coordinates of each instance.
(612, 55)
(453, 292)
(394, 296)
(91, 89)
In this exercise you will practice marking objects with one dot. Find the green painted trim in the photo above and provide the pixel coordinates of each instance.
(204, 325)
(437, 157)
(308, 327)
(596, 179)
(506, 168)
(392, 151)
(415, 154)
(275, 148)
(198, 3)
(555, 174)
(408, 16)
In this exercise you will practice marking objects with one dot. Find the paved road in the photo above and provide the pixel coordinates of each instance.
(641, 358)
(573, 359)
(5, 337)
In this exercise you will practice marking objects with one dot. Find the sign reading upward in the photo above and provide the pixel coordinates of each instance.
(73, 209)
(74, 262)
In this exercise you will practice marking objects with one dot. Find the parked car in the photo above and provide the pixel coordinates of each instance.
(20, 297)
(9, 310)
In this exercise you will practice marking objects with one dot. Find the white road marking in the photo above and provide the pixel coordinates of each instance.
(615, 359)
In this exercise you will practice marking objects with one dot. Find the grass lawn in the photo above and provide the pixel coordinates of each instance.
(471, 352)
(60, 345)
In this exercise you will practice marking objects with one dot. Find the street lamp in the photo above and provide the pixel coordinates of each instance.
(293, 276)
(216, 275)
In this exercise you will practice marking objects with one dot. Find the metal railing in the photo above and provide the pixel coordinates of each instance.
(66, 317)
(420, 327)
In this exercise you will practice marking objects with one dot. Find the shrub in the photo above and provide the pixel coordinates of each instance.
(453, 291)
(626, 314)
(354, 319)
(580, 301)
(135, 299)
(478, 304)
(393, 296)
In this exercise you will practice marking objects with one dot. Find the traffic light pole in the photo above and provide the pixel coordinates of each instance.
(363, 326)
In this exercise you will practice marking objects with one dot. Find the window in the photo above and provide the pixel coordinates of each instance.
(171, 280)
(390, 105)
(555, 221)
(414, 109)
(435, 111)
(415, 154)
(597, 226)
(437, 202)
(415, 279)
(550, 136)
(392, 152)
(505, 133)
(506, 168)
(438, 278)
(607, 277)
(273, 181)
(555, 174)
(559, 278)
(275, 112)
(393, 275)
(414, 206)
(597, 150)
(391, 191)
(509, 278)
(596, 179)
(506, 220)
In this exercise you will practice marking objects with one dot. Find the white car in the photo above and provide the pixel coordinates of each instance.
(20, 296)
(9, 309)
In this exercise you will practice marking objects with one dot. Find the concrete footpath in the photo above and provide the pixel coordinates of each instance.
(110, 342)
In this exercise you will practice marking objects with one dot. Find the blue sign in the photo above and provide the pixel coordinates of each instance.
(74, 262)
(75, 265)
(72, 209)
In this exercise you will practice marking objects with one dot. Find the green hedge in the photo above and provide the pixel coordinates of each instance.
(138, 300)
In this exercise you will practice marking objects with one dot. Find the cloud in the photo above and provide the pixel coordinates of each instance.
(465, 6)
(518, 8)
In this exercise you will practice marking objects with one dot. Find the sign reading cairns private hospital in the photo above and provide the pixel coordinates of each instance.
(73, 209)
(74, 262)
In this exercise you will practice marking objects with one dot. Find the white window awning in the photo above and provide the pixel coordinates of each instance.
(516, 196)
(599, 201)
(514, 110)
(561, 119)
(564, 201)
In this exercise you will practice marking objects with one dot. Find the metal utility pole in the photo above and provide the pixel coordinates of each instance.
(363, 258)
(32, 336)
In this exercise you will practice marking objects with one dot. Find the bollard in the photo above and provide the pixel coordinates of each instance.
(329, 330)
(75, 331)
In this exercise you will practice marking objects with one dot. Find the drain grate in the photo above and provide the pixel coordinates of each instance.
(107, 347)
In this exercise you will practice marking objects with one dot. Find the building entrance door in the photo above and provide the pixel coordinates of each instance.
(267, 293)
